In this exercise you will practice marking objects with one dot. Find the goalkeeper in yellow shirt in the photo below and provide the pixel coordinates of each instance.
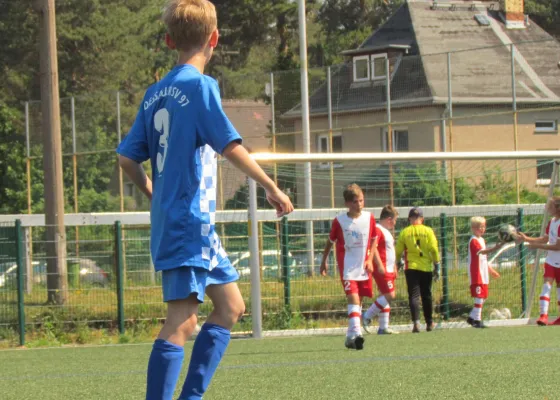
(421, 262)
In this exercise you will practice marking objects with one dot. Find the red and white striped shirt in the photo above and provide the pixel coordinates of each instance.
(478, 263)
(353, 238)
(553, 232)
(386, 249)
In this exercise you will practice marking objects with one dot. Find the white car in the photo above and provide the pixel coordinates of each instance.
(272, 259)
(508, 256)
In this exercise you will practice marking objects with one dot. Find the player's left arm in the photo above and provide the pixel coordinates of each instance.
(433, 246)
(135, 171)
(493, 272)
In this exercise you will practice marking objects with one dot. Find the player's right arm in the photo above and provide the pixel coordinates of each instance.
(536, 240)
(133, 151)
(240, 158)
(333, 237)
(135, 171)
(399, 249)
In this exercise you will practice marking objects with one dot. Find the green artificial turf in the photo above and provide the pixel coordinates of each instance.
(497, 363)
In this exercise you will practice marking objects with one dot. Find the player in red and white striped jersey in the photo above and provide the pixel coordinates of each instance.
(550, 243)
(384, 273)
(479, 269)
(354, 235)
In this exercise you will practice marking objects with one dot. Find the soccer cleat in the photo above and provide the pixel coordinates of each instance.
(430, 327)
(543, 320)
(354, 342)
(349, 343)
(359, 342)
(478, 324)
(387, 331)
(416, 328)
(470, 321)
(366, 323)
(556, 321)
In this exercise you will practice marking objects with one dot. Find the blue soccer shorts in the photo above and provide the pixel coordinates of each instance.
(180, 283)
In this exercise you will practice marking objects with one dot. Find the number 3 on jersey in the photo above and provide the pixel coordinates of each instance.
(161, 123)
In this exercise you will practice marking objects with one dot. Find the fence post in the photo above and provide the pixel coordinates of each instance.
(444, 272)
(285, 262)
(522, 261)
(120, 275)
(20, 280)
(256, 298)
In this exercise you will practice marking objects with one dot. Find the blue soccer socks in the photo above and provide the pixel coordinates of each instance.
(208, 350)
(164, 368)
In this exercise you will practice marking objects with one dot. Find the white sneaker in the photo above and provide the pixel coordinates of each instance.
(366, 323)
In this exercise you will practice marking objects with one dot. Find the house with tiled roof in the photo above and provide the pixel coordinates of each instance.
(464, 59)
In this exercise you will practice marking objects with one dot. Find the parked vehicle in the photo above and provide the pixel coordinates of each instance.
(272, 260)
(89, 273)
(508, 256)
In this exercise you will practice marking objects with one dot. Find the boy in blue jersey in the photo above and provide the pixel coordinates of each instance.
(180, 127)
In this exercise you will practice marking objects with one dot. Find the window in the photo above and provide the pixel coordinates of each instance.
(362, 65)
(546, 126)
(378, 66)
(361, 68)
(544, 171)
(400, 140)
(323, 147)
(128, 189)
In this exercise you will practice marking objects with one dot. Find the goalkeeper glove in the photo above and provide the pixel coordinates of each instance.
(400, 265)
(436, 272)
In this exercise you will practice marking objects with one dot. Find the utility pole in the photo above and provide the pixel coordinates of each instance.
(57, 279)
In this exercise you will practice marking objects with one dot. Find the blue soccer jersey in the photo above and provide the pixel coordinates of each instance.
(180, 126)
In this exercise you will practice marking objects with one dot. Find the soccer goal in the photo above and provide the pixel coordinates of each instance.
(111, 279)
(503, 187)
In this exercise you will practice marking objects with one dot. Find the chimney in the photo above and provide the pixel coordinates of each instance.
(513, 13)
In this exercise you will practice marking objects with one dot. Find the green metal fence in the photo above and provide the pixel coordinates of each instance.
(112, 282)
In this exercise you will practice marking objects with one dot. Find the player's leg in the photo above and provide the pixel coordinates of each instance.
(381, 302)
(388, 291)
(214, 336)
(557, 277)
(354, 338)
(426, 294)
(544, 299)
(475, 316)
(413, 286)
(181, 292)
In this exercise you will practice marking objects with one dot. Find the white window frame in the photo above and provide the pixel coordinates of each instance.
(552, 129)
(374, 57)
(320, 150)
(385, 145)
(545, 181)
(359, 58)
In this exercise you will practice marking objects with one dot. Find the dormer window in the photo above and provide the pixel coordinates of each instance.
(361, 68)
(369, 67)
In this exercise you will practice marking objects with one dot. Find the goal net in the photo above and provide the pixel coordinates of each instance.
(450, 188)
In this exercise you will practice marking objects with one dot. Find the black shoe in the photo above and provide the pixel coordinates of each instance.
(359, 343)
(470, 321)
(416, 328)
(430, 327)
(478, 324)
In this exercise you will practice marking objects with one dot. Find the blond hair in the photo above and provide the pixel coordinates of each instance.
(190, 23)
(351, 191)
(388, 212)
(477, 221)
